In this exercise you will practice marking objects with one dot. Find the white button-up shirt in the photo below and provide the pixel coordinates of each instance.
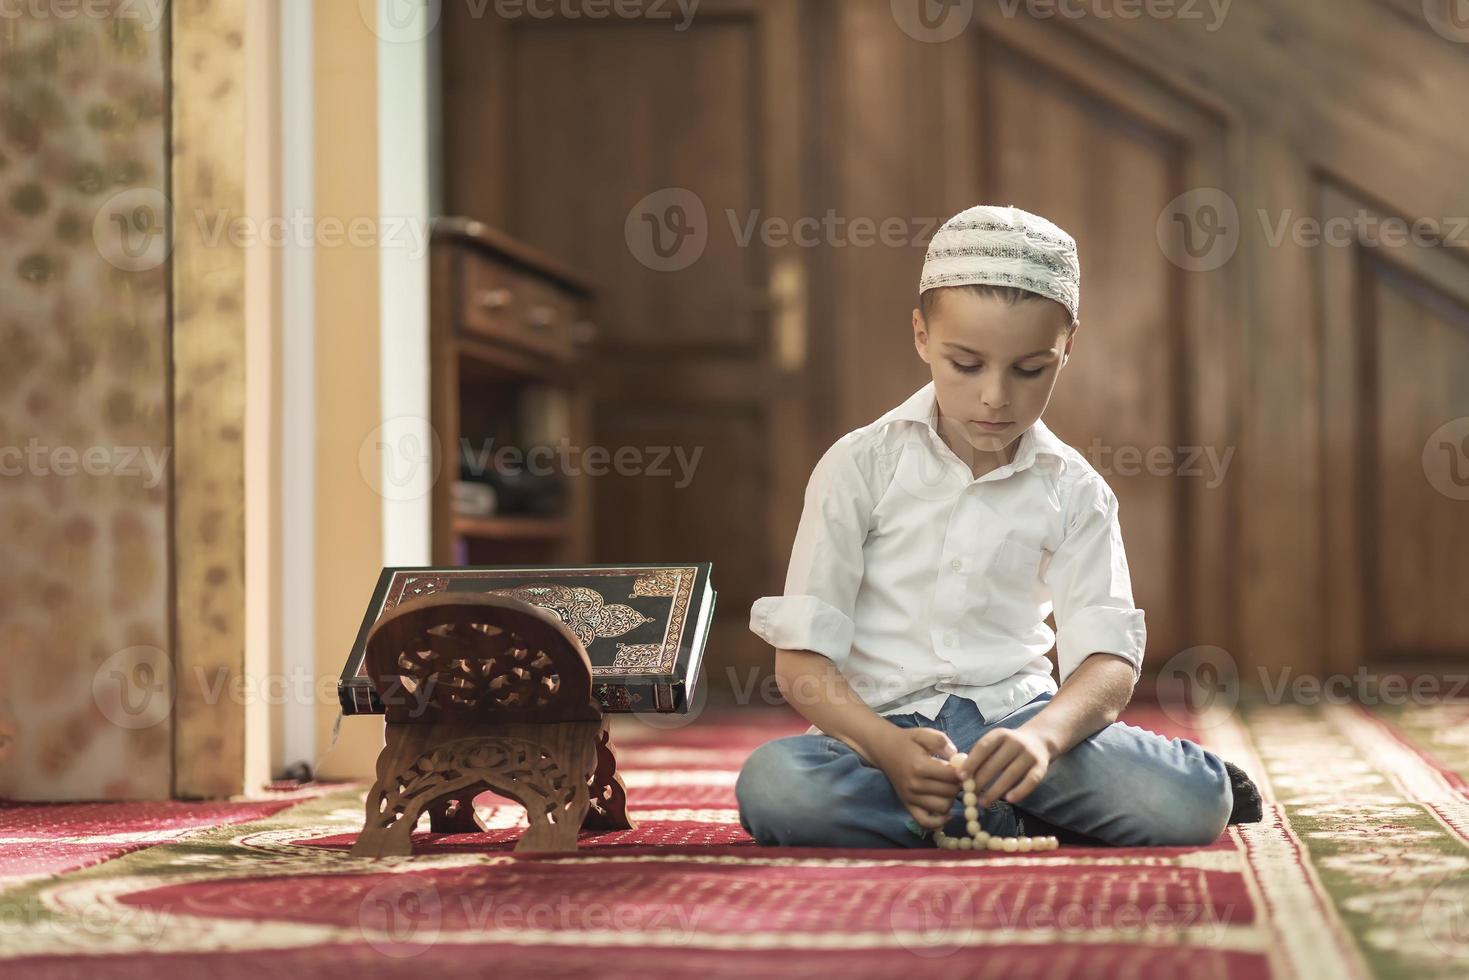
(920, 581)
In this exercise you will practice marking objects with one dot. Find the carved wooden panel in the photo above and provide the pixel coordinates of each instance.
(1396, 437)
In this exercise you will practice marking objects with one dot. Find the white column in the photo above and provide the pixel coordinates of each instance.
(298, 389)
(405, 32)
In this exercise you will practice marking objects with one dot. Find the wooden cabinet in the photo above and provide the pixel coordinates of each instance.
(511, 333)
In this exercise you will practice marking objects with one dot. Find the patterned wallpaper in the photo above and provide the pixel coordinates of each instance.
(84, 419)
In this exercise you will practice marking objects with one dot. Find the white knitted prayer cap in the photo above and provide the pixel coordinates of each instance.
(1004, 246)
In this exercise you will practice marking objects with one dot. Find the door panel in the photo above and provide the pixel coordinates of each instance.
(641, 155)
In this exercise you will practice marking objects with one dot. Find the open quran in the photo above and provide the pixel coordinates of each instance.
(643, 626)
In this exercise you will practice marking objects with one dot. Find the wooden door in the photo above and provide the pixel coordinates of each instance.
(639, 151)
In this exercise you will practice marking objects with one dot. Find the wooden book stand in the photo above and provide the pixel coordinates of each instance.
(486, 693)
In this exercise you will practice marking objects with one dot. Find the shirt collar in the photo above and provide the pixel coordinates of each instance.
(1036, 441)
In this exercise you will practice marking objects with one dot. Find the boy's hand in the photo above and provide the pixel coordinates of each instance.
(926, 785)
(1008, 762)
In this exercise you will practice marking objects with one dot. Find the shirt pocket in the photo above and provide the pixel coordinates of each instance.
(1016, 590)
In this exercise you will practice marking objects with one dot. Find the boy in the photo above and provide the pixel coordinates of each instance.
(932, 545)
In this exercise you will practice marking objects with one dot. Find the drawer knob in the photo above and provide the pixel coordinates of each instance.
(542, 316)
(493, 299)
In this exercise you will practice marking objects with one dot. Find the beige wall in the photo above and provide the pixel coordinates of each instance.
(262, 161)
(349, 538)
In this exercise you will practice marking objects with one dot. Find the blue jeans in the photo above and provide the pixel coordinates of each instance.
(1123, 786)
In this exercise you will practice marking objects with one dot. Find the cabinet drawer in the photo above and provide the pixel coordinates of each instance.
(503, 304)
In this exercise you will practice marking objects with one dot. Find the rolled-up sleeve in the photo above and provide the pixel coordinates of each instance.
(1090, 586)
(825, 571)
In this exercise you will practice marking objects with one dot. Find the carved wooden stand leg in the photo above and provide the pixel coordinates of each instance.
(608, 810)
(545, 767)
(455, 815)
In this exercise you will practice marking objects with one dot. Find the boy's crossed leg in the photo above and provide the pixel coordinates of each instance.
(1123, 786)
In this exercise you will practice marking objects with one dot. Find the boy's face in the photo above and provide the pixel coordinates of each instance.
(992, 362)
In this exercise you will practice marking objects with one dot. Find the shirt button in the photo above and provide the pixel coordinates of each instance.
(957, 564)
(948, 639)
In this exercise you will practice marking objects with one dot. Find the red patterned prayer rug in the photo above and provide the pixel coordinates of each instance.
(1360, 868)
(42, 839)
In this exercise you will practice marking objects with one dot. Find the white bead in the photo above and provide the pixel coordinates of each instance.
(970, 798)
(1026, 844)
(971, 813)
(972, 827)
(956, 760)
(997, 844)
(982, 839)
(1011, 845)
(965, 843)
